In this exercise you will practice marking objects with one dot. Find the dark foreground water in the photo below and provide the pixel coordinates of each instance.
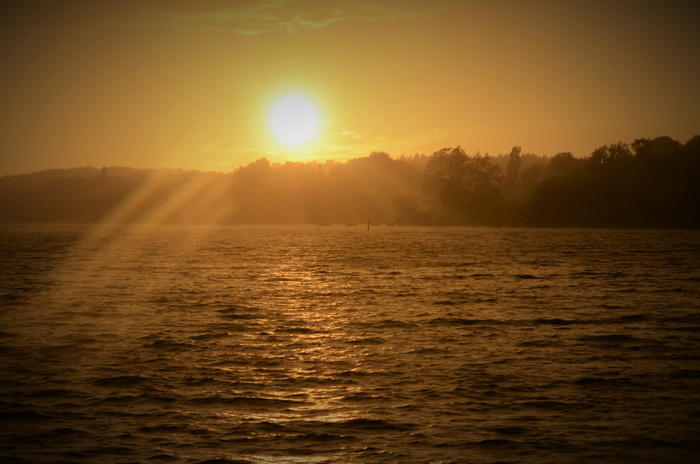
(342, 345)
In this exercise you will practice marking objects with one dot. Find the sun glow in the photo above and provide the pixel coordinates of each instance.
(294, 119)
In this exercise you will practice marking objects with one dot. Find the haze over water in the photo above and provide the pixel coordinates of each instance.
(337, 344)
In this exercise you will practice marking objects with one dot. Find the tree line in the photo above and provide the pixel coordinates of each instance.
(648, 183)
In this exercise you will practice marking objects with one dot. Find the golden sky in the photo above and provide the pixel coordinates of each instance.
(190, 84)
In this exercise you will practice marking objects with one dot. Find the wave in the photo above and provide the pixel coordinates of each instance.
(526, 276)
(611, 338)
(246, 401)
(458, 321)
(121, 381)
(24, 415)
(604, 382)
(548, 405)
(554, 321)
(170, 345)
(497, 443)
(364, 424)
(366, 341)
(685, 374)
(224, 461)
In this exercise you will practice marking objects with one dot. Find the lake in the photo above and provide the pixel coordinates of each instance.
(288, 344)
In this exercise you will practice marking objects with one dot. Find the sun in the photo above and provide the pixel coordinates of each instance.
(294, 119)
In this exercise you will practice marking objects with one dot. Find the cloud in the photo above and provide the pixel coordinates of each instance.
(350, 134)
(293, 16)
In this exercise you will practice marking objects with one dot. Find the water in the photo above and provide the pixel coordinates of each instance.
(342, 345)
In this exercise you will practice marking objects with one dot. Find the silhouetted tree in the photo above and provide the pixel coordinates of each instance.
(463, 189)
(652, 183)
(512, 173)
(564, 164)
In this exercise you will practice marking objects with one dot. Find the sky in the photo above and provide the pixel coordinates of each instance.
(190, 84)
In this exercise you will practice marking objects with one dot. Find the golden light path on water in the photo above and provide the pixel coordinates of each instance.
(291, 278)
(321, 404)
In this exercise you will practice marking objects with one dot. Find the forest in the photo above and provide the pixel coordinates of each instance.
(652, 183)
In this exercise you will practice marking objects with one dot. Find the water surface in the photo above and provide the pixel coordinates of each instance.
(338, 344)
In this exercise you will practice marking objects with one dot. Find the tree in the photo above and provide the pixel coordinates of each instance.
(248, 193)
(463, 189)
(514, 163)
(563, 164)
(617, 155)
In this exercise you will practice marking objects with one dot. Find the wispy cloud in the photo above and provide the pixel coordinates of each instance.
(293, 16)
(350, 134)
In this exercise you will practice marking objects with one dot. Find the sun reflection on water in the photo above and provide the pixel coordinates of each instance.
(288, 459)
(298, 416)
